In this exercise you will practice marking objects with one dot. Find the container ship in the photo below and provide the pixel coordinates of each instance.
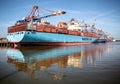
(33, 30)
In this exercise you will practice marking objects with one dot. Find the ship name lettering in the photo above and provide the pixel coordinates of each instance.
(86, 38)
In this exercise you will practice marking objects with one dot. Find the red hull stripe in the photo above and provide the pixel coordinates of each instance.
(52, 43)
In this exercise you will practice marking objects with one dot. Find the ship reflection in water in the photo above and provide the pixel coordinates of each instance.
(54, 62)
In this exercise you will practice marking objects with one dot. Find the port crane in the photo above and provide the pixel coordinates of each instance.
(34, 15)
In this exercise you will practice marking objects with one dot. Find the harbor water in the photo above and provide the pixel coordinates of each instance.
(84, 64)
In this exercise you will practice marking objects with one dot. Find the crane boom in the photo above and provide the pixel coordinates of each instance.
(55, 13)
(32, 17)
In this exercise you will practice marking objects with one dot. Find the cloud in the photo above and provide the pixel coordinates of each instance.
(104, 14)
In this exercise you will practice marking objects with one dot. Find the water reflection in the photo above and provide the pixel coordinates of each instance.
(49, 62)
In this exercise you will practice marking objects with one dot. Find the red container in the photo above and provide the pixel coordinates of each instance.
(11, 29)
(60, 30)
(19, 28)
(40, 28)
(47, 29)
(79, 33)
(54, 30)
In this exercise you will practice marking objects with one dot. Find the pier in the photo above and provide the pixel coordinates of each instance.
(4, 43)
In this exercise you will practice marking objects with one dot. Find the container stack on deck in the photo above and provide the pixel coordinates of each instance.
(18, 27)
(49, 28)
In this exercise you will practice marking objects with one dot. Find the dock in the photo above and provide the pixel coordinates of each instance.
(5, 43)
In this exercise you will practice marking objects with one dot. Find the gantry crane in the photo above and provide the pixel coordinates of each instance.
(34, 14)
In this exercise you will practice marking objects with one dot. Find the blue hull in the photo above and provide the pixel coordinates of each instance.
(26, 37)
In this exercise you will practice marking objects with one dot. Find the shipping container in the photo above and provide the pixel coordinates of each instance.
(63, 30)
(40, 28)
(54, 30)
(47, 29)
